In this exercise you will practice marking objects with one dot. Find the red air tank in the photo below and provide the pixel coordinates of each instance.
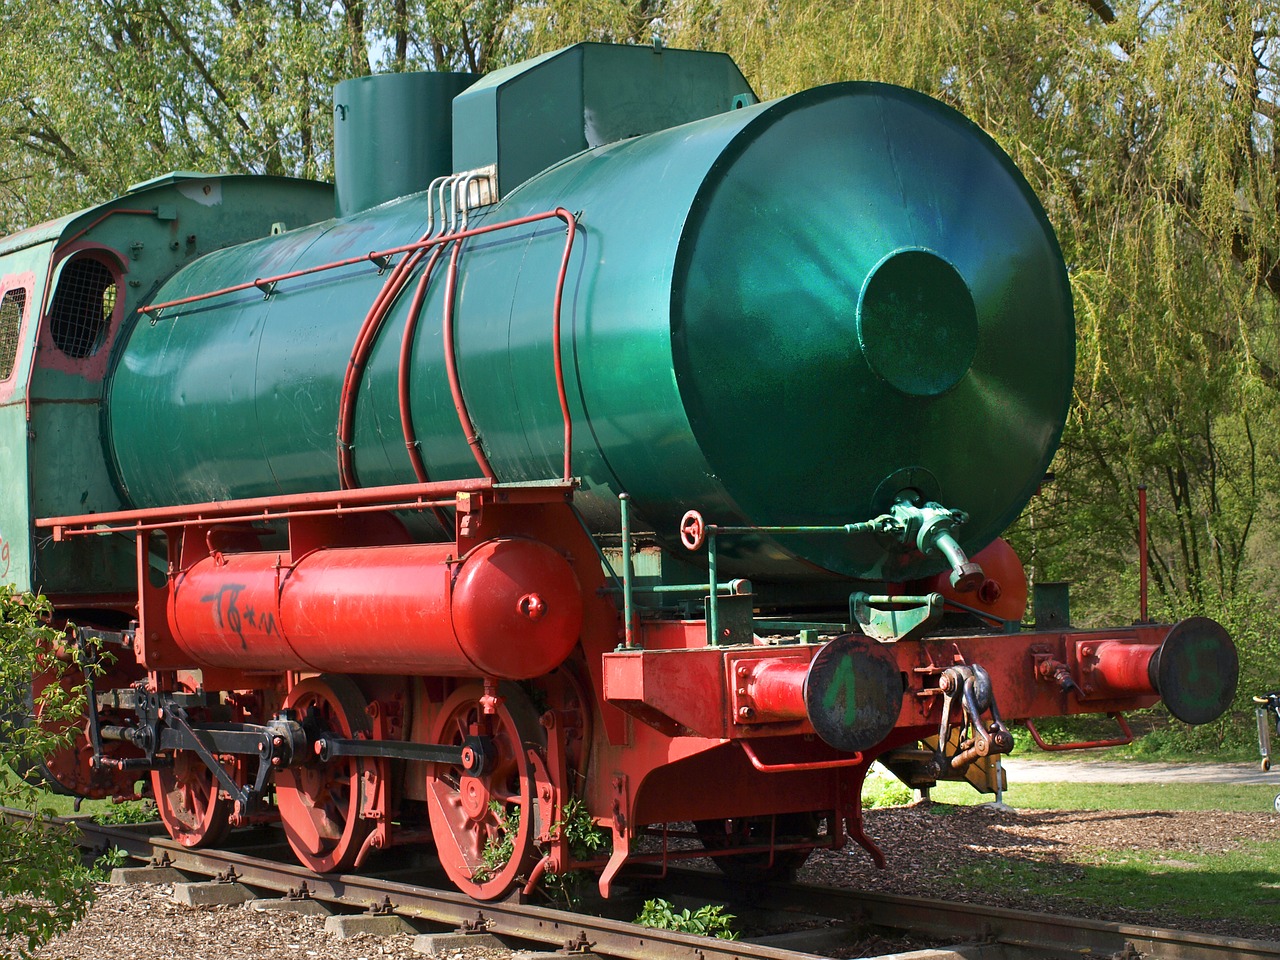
(510, 608)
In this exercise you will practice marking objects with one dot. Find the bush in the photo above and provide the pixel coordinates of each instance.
(708, 921)
(44, 885)
(885, 790)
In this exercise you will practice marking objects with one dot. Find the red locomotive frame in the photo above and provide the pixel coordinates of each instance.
(525, 693)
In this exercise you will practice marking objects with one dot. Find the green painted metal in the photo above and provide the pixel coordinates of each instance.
(51, 426)
(905, 316)
(744, 302)
(15, 516)
(392, 135)
(534, 114)
(895, 618)
(23, 265)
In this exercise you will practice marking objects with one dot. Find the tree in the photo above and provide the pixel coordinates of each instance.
(44, 885)
(1147, 127)
(1148, 131)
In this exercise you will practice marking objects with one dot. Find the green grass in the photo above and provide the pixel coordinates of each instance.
(1118, 796)
(104, 811)
(1241, 884)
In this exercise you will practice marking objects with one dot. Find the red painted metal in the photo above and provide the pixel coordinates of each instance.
(1126, 737)
(1111, 668)
(261, 283)
(403, 379)
(776, 687)
(25, 282)
(451, 367)
(379, 509)
(850, 760)
(365, 339)
(758, 692)
(321, 805)
(407, 496)
(1002, 594)
(571, 225)
(510, 609)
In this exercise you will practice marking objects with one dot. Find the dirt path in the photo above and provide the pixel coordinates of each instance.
(1032, 768)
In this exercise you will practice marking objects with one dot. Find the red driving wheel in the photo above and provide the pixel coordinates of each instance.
(320, 802)
(193, 807)
(484, 825)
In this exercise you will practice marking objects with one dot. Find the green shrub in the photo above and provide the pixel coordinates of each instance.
(45, 886)
(885, 791)
(708, 921)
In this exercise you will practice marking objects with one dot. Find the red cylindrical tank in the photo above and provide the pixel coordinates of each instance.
(510, 609)
(1003, 591)
(1112, 668)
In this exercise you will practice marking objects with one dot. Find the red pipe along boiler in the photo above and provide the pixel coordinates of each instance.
(510, 609)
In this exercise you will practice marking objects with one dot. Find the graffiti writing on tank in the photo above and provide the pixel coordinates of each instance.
(230, 614)
(4, 557)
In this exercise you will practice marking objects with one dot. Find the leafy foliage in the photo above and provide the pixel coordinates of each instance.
(1148, 130)
(585, 837)
(43, 882)
(587, 840)
(501, 846)
(706, 921)
(128, 812)
(885, 791)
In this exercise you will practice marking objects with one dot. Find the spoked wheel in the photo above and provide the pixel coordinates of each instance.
(484, 825)
(757, 866)
(69, 769)
(192, 805)
(320, 802)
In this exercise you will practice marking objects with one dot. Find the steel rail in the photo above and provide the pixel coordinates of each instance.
(613, 938)
(979, 932)
(998, 926)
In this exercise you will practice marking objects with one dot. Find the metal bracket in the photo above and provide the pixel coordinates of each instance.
(895, 618)
(971, 684)
(479, 925)
(579, 944)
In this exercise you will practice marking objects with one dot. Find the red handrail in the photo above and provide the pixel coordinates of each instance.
(451, 367)
(402, 374)
(1125, 739)
(325, 500)
(366, 337)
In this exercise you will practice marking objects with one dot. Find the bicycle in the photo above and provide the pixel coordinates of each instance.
(1268, 713)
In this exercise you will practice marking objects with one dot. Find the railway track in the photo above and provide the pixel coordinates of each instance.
(818, 922)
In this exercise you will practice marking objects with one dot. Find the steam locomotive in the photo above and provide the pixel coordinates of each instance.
(605, 453)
